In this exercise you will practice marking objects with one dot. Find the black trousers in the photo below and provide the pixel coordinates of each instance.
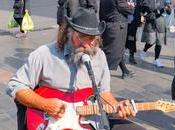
(173, 89)
(21, 116)
(131, 37)
(19, 21)
(114, 39)
(115, 124)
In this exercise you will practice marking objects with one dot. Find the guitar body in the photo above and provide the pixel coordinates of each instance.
(38, 120)
(76, 105)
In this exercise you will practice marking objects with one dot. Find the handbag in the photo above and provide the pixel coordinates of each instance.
(12, 22)
(27, 23)
(170, 22)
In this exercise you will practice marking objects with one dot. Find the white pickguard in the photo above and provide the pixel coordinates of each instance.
(70, 120)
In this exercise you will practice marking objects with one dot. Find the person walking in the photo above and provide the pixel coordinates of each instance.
(115, 14)
(154, 29)
(134, 23)
(173, 88)
(69, 7)
(20, 7)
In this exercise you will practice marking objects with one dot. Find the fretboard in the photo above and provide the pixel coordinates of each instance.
(93, 109)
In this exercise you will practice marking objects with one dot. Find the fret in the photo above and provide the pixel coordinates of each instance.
(145, 106)
(110, 109)
(87, 110)
(106, 108)
(90, 110)
(96, 109)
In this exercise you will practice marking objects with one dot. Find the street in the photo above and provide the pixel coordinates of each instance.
(150, 84)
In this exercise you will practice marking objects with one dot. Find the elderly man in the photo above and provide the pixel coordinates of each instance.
(54, 80)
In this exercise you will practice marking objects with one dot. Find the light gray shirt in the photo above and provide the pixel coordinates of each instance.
(47, 66)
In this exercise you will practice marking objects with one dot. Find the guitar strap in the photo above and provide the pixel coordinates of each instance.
(101, 77)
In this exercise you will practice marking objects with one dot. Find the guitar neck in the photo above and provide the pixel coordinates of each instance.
(146, 106)
(93, 109)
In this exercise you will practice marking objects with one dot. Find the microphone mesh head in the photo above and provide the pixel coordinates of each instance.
(85, 58)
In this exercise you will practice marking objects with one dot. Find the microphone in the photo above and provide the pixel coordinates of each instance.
(104, 120)
(86, 60)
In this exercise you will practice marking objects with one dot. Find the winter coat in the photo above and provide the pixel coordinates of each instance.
(115, 14)
(69, 7)
(114, 10)
(153, 10)
(19, 8)
(173, 89)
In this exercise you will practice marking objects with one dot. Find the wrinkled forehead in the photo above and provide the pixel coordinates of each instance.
(84, 36)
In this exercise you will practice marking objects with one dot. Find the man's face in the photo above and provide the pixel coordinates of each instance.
(82, 44)
(82, 40)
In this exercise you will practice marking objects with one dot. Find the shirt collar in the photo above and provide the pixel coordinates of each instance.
(68, 48)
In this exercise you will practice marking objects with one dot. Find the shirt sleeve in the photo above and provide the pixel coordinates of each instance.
(27, 77)
(105, 76)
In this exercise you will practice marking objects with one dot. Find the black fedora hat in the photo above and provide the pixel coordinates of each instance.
(85, 21)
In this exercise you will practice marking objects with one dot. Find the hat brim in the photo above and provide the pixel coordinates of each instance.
(89, 31)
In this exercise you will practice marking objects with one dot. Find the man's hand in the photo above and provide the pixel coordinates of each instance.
(54, 107)
(142, 19)
(131, 4)
(125, 109)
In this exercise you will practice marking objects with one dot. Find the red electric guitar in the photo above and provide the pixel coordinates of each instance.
(76, 106)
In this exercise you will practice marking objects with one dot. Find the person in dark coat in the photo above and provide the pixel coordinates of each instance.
(154, 29)
(173, 84)
(19, 10)
(115, 14)
(173, 89)
(134, 23)
(69, 7)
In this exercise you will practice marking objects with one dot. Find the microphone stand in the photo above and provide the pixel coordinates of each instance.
(104, 120)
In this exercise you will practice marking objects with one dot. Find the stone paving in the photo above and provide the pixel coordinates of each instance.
(150, 84)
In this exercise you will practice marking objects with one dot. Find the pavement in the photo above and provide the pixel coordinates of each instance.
(150, 84)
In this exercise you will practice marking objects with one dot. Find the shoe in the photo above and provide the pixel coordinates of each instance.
(142, 55)
(157, 63)
(130, 74)
(132, 60)
(21, 35)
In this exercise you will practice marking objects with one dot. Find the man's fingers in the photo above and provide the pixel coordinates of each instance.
(121, 108)
(120, 114)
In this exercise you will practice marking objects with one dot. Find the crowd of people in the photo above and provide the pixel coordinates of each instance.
(101, 29)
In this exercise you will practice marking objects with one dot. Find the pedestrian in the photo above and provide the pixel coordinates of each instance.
(173, 84)
(69, 7)
(134, 23)
(20, 7)
(154, 29)
(115, 14)
(173, 89)
(58, 67)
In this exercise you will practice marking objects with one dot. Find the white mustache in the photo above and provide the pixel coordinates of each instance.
(78, 52)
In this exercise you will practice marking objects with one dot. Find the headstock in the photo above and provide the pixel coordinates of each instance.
(165, 105)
